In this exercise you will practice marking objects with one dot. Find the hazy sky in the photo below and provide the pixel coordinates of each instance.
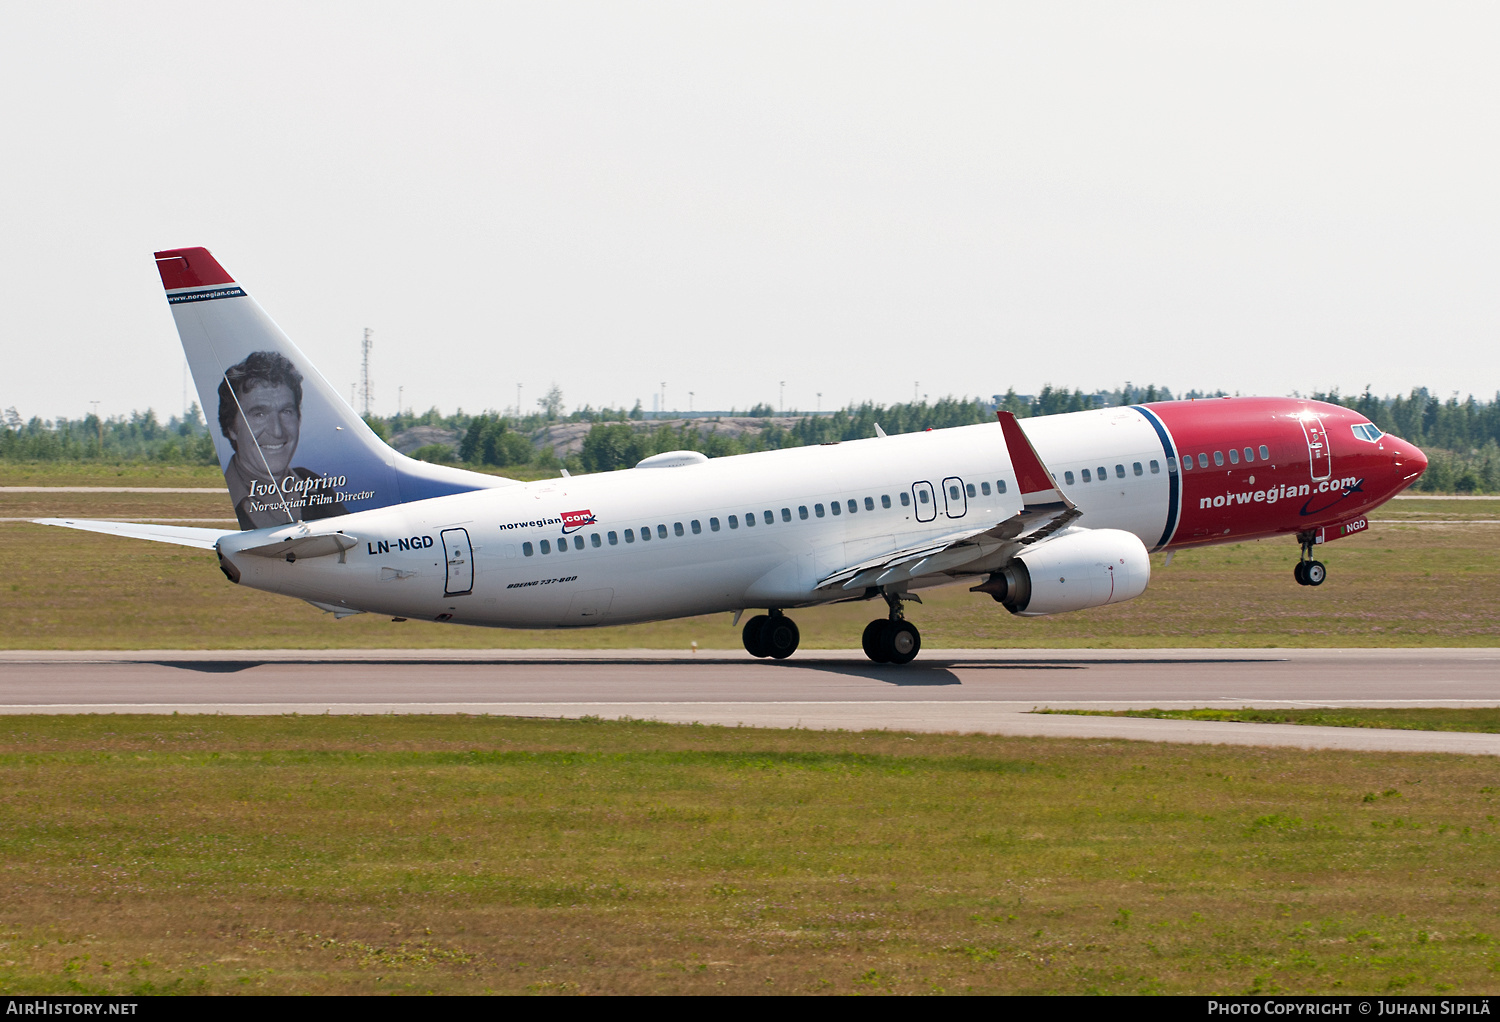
(1260, 197)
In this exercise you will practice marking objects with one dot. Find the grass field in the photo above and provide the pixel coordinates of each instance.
(1482, 719)
(1403, 583)
(56, 473)
(451, 854)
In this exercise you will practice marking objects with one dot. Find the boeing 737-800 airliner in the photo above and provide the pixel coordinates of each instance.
(1057, 514)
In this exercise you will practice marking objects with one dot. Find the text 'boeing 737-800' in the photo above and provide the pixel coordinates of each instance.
(1057, 515)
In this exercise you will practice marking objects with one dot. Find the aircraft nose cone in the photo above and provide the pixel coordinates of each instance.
(1409, 459)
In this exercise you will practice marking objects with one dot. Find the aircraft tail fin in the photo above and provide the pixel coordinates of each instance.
(290, 447)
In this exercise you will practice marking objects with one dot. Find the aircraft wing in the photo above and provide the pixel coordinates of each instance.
(1044, 510)
(204, 539)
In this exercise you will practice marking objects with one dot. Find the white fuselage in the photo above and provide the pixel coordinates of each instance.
(671, 542)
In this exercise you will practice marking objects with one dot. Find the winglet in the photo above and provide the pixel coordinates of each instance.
(1032, 478)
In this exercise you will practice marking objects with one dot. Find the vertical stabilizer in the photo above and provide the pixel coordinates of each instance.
(291, 448)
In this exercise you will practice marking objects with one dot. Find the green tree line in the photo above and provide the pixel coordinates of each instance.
(1460, 437)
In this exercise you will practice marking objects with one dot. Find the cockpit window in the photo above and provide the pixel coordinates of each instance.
(1368, 431)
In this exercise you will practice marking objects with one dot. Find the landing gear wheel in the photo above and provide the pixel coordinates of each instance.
(1297, 573)
(779, 637)
(871, 640)
(1313, 573)
(900, 642)
(751, 635)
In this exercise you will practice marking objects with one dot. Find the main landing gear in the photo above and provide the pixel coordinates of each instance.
(892, 640)
(1309, 572)
(771, 635)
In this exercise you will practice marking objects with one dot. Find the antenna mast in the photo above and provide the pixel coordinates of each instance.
(364, 372)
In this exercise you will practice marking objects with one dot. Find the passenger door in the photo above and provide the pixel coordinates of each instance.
(460, 557)
(1319, 457)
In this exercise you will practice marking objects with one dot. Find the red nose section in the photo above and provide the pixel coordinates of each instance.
(190, 267)
(1410, 462)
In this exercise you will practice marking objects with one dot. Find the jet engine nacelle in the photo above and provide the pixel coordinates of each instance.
(1074, 570)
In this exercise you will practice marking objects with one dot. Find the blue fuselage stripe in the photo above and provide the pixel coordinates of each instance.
(1174, 477)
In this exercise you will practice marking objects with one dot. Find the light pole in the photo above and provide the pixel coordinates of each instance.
(100, 424)
(518, 402)
(781, 401)
(690, 402)
(820, 402)
(399, 391)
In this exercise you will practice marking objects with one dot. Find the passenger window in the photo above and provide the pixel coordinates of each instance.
(677, 529)
(770, 518)
(1155, 467)
(546, 547)
(786, 514)
(713, 525)
(869, 503)
(905, 499)
(1119, 471)
(630, 535)
(1068, 478)
(922, 495)
(577, 542)
(697, 527)
(645, 533)
(1234, 456)
(1202, 460)
(953, 492)
(853, 505)
(1187, 462)
(526, 549)
(661, 531)
(1136, 468)
(984, 488)
(835, 507)
(802, 511)
(1265, 453)
(818, 510)
(1218, 458)
(1000, 486)
(594, 539)
(1087, 476)
(969, 488)
(614, 538)
(734, 521)
(1103, 473)
(1249, 455)
(749, 519)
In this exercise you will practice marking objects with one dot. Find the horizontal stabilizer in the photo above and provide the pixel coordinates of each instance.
(304, 546)
(203, 539)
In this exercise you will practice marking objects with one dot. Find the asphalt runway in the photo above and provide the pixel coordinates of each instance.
(987, 691)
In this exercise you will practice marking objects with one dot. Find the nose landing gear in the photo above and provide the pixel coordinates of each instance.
(771, 635)
(1309, 572)
(892, 640)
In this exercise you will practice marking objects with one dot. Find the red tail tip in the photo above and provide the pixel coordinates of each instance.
(190, 267)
